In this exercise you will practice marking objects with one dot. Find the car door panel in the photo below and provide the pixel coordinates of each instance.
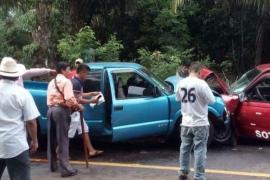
(134, 117)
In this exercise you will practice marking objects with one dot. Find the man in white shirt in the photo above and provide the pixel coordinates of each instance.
(194, 95)
(18, 112)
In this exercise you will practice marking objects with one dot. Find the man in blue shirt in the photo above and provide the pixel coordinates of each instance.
(77, 82)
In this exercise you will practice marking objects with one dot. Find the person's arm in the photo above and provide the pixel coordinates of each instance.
(31, 126)
(33, 72)
(69, 96)
(208, 94)
(87, 101)
(94, 93)
(30, 113)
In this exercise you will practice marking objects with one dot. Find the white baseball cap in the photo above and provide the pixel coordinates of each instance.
(79, 60)
(10, 68)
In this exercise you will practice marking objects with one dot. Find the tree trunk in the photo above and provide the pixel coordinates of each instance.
(42, 34)
(262, 40)
(75, 22)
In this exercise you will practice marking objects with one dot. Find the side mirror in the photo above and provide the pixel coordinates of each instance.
(170, 87)
(242, 97)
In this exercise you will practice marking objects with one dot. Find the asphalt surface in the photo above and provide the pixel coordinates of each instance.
(156, 160)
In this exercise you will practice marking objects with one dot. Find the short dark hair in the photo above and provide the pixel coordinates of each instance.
(186, 62)
(82, 67)
(195, 66)
(61, 66)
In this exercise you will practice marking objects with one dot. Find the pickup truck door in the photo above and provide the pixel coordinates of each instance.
(137, 109)
(254, 113)
(95, 116)
(39, 92)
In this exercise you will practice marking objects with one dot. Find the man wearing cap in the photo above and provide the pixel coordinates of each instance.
(18, 113)
(72, 73)
(61, 100)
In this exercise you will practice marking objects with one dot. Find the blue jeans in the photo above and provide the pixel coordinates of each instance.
(198, 137)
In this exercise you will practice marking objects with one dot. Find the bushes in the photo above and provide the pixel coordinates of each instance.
(84, 45)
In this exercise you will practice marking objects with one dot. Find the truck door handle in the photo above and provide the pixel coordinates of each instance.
(118, 108)
(258, 113)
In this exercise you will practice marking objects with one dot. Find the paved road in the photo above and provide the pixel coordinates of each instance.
(155, 160)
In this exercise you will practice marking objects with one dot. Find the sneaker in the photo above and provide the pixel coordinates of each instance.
(183, 177)
(70, 173)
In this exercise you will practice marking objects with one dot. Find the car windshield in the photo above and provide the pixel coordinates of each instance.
(161, 84)
(238, 86)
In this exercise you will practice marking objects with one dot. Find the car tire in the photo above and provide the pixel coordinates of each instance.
(223, 135)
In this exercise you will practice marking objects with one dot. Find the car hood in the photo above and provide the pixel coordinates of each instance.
(205, 73)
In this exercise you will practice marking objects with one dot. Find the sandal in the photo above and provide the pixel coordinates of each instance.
(95, 153)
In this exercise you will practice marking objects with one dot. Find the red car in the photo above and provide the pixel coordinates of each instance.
(248, 100)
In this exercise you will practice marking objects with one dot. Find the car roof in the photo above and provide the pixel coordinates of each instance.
(263, 67)
(102, 65)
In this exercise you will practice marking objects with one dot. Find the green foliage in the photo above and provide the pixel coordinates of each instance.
(145, 31)
(28, 52)
(26, 21)
(109, 51)
(163, 64)
(12, 35)
(84, 45)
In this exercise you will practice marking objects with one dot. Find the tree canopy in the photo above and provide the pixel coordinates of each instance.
(156, 33)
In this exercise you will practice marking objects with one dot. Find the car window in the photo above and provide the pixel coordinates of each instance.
(93, 81)
(131, 85)
(261, 91)
(239, 85)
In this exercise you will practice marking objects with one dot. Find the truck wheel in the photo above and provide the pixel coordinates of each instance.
(176, 137)
(222, 134)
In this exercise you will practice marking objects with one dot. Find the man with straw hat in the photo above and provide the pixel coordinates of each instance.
(18, 113)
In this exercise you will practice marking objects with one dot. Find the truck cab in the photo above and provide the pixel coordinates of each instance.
(137, 103)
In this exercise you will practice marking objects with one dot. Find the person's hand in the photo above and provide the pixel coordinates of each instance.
(80, 108)
(33, 146)
(96, 98)
(97, 93)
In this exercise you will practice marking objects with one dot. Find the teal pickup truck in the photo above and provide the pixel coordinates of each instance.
(137, 104)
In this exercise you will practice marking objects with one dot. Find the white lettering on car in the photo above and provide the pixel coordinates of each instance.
(258, 133)
(262, 134)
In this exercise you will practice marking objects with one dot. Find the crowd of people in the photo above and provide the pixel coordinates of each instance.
(18, 114)
(66, 99)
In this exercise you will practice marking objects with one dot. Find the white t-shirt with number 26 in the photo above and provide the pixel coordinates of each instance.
(194, 95)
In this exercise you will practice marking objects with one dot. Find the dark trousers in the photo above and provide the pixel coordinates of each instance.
(58, 141)
(18, 167)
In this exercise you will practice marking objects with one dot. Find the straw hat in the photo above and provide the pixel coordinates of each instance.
(10, 68)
